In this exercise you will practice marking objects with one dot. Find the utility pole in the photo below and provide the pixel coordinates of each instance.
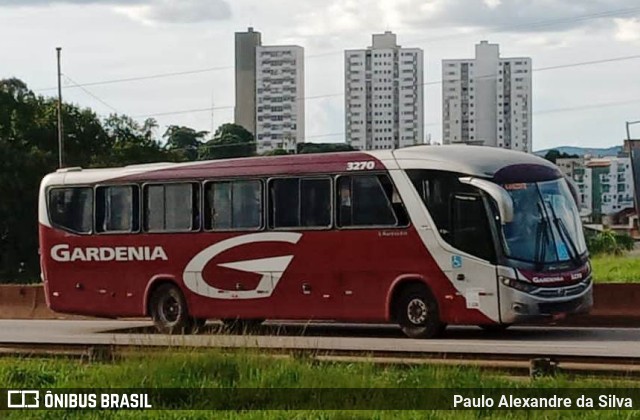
(635, 166)
(212, 111)
(628, 123)
(60, 131)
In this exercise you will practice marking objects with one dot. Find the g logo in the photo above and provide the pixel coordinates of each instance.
(271, 269)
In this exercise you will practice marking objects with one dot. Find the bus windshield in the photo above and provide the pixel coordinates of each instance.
(546, 225)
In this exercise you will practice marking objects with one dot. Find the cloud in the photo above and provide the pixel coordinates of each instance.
(515, 15)
(148, 11)
(179, 11)
(36, 3)
(627, 29)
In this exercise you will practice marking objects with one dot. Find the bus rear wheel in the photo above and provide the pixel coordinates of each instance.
(417, 313)
(169, 311)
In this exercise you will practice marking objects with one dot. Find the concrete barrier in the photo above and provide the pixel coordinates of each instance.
(24, 302)
(615, 305)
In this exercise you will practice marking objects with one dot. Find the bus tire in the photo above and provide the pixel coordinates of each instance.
(418, 313)
(169, 311)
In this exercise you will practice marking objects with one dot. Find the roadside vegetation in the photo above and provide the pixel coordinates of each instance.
(613, 258)
(616, 268)
(190, 369)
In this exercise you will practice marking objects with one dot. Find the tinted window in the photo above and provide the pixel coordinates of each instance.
(470, 228)
(365, 200)
(171, 207)
(300, 202)
(117, 209)
(71, 208)
(457, 210)
(233, 205)
(315, 202)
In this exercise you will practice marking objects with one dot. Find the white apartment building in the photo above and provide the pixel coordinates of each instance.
(605, 184)
(487, 100)
(279, 97)
(384, 100)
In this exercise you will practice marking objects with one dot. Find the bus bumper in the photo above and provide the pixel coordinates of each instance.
(520, 307)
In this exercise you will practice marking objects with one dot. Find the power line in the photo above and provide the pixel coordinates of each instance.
(148, 77)
(432, 82)
(545, 111)
(592, 106)
(536, 24)
(89, 93)
(184, 111)
(587, 63)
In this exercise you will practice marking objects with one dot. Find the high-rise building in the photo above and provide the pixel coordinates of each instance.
(605, 184)
(487, 100)
(384, 100)
(245, 109)
(280, 97)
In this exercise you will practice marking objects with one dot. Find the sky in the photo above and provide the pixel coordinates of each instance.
(583, 102)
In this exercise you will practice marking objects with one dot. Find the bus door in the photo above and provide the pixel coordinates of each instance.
(473, 270)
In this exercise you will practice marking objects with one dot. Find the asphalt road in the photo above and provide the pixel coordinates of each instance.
(598, 342)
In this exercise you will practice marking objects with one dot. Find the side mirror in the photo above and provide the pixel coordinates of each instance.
(495, 191)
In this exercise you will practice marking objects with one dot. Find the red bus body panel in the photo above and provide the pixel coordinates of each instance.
(351, 274)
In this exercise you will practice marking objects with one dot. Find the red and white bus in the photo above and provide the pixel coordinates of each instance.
(423, 236)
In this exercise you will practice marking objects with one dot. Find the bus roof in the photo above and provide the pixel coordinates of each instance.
(480, 161)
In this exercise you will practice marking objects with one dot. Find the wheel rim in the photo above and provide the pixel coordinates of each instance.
(169, 309)
(417, 311)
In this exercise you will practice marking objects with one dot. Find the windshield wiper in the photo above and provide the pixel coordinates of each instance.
(541, 240)
(565, 236)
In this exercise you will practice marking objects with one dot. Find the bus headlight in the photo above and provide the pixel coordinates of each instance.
(517, 284)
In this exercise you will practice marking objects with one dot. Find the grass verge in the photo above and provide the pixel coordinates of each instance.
(214, 369)
(616, 269)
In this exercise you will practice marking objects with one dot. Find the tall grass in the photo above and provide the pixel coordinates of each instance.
(213, 369)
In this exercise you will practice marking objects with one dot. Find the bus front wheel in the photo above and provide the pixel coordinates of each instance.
(418, 313)
(169, 311)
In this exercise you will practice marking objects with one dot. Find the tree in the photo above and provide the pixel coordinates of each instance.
(29, 150)
(131, 142)
(324, 147)
(275, 152)
(229, 141)
(23, 125)
(553, 155)
(184, 141)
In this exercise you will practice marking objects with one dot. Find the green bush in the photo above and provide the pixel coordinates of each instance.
(625, 241)
(608, 242)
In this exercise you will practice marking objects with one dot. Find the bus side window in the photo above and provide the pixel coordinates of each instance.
(284, 203)
(72, 208)
(396, 202)
(300, 202)
(117, 208)
(171, 207)
(315, 202)
(470, 227)
(233, 205)
(363, 201)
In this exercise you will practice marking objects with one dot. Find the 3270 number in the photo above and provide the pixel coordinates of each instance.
(360, 166)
